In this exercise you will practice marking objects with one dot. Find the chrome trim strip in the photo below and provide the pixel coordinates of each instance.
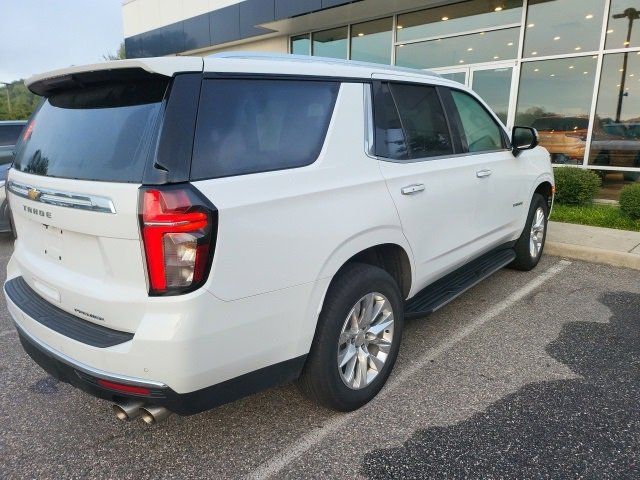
(86, 368)
(82, 201)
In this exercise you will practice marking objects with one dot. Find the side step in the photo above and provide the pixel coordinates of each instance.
(442, 291)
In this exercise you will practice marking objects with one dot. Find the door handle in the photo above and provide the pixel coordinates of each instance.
(411, 189)
(483, 173)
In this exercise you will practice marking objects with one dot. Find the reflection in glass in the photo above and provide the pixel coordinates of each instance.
(460, 17)
(562, 26)
(555, 98)
(330, 43)
(623, 16)
(460, 77)
(616, 131)
(467, 49)
(494, 86)
(301, 45)
(371, 41)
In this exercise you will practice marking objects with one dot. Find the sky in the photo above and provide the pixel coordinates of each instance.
(41, 35)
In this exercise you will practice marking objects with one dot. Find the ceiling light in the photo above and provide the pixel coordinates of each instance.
(444, 19)
(584, 73)
(552, 75)
(496, 57)
(470, 49)
(610, 30)
(621, 70)
(626, 43)
(498, 9)
(556, 38)
(534, 53)
(531, 25)
(461, 61)
(399, 27)
(401, 45)
(510, 44)
(589, 16)
(632, 74)
(361, 34)
(571, 66)
(536, 69)
(577, 48)
(617, 85)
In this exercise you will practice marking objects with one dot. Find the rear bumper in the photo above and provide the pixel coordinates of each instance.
(86, 378)
(209, 353)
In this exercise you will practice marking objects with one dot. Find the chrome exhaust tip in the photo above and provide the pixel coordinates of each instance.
(152, 415)
(127, 410)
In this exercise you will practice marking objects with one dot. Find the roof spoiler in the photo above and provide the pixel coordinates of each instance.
(118, 70)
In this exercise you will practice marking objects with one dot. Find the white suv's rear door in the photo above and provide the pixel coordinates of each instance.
(435, 190)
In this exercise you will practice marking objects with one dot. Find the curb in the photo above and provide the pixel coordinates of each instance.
(593, 255)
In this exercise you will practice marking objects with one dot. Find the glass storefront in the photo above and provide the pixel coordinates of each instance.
(569, 68)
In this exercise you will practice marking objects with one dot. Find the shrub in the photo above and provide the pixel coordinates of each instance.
(630, 200)
(576, 186)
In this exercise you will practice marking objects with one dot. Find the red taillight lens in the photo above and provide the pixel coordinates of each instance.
(121, 387)
(178, 231)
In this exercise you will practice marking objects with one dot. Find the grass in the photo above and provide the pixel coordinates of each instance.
(608, 216)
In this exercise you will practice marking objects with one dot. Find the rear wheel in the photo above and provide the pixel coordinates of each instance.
(357, 339)
(530, 245)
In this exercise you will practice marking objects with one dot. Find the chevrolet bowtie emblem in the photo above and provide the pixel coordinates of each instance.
(34, 193)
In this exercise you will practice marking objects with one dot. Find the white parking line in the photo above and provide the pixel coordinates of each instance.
(306, 442)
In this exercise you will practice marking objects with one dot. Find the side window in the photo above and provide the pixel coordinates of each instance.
(250, 126)
(480, 129)
(423, 120)
(389, 136)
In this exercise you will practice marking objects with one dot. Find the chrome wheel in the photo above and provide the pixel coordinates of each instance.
(365, 340)
(537, 233)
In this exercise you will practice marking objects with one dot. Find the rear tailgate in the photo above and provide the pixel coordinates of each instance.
(74, 193)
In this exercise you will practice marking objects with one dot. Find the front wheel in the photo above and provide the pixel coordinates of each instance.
(530, 245)
(357, 339)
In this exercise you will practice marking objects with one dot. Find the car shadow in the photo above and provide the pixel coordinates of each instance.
(575, 428)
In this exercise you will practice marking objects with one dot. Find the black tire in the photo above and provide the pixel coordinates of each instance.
(524, 260)
(321, 380)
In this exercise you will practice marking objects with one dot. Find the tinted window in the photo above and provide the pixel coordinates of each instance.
(389, 137)
(480, 129)
(249, 126)
(423, 120)
(96, 133)
(9, 134)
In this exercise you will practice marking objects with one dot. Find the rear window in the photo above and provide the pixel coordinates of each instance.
(101, 132)
(9, 134)
(249, 126)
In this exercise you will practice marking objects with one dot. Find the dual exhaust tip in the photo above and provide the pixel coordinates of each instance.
(132, 409)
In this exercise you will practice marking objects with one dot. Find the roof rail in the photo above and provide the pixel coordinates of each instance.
(309, 59)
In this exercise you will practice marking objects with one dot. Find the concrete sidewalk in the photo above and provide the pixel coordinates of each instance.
(620, 248)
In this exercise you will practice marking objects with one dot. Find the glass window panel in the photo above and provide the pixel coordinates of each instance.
(616, 130)
(389, 136)
(494, 86)
(624, 15)
(467, 49)
(460, 77)
(301, 45)
(562, 26)
(330, 43)
(555, 98)
(460, 17)
(423, 120)
(371, 41)
(481, 131)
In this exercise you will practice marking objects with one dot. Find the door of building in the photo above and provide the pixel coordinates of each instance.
(495, 83)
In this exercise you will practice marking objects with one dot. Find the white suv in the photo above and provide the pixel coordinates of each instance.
(193, 230)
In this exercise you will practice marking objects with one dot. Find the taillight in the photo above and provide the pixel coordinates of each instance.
(179, 228)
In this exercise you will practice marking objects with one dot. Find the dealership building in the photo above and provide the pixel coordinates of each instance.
(570, 68)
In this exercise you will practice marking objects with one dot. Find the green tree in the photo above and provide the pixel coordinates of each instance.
(16, 101)
(121, 54)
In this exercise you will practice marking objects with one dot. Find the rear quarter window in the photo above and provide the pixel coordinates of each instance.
(249, 125)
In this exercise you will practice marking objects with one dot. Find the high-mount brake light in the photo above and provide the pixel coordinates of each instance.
(178, 232)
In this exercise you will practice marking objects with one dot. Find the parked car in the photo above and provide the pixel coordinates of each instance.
(9, 135)
(564, 137)
(190, 231)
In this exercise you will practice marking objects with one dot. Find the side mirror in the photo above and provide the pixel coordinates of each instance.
(523, 138)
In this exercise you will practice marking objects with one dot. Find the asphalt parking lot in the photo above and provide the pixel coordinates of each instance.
(527, 375)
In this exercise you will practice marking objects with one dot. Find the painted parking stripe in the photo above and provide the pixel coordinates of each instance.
(306, 442)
